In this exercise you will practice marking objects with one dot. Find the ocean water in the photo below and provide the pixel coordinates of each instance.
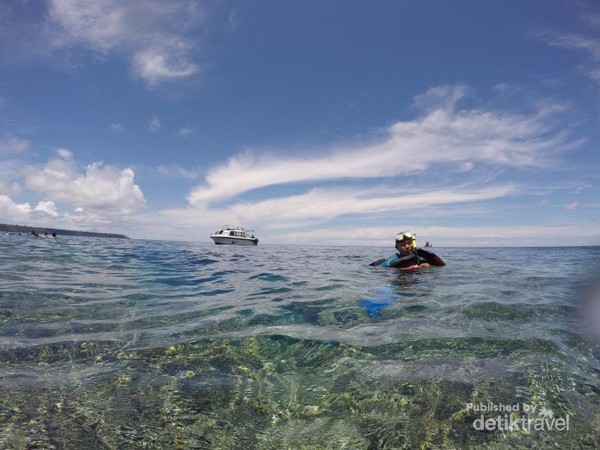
(118, 344)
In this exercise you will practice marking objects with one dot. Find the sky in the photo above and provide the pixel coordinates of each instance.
(339, 122)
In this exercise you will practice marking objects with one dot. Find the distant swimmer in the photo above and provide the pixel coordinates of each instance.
(45, 234)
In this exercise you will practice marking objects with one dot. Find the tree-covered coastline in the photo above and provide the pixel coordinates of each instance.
(26, 229)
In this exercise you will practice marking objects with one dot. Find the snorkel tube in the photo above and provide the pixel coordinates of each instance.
(414, 244)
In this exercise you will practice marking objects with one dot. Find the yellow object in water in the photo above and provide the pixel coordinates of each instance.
(404, 235)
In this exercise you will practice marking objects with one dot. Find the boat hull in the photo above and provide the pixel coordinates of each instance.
(232, 240)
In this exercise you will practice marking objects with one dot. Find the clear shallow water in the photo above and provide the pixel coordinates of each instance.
(147, 344)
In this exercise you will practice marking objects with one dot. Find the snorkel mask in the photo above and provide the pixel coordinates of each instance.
(405, 235)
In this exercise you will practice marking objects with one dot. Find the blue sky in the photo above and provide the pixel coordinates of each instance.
(338, 122)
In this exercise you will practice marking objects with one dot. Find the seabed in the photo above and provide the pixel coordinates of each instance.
(276, 392)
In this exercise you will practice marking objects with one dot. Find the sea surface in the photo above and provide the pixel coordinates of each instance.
(133, 344)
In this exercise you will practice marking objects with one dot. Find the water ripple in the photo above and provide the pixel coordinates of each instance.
(220, 347)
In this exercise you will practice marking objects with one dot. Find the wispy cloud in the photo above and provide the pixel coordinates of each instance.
(18, 146)
(118, 127)
(176, 171)
(587, 42)
(375, 231)
(323, 205)
(154, 124)
(155, 64)
(444, 136)
(442, 236)
(185, 132)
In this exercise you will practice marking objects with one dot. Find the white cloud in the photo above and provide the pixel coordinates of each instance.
(154, 124)
(156, 65)
(445, 95)
(586, 41)
(18, 145)
(9, 188)
(588, 44)
(64, 153)
(185, 132)
(95, 197)
(196, 224)
(9, 177)
(281, 218)
(443, 136)
(153, 34)
(323, 205)
(118, 127)
(594, 74)
(233, 20)
(23, 213)
(573, 206)
(442, 236)
(48, 207)
(176, 171)
(11, 209)
(100, 188)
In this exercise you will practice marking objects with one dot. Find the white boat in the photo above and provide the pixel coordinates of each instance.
(234, 236)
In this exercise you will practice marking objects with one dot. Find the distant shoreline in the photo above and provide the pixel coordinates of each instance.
(59, 232)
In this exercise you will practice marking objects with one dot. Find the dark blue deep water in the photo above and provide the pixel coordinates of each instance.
(117, 344)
